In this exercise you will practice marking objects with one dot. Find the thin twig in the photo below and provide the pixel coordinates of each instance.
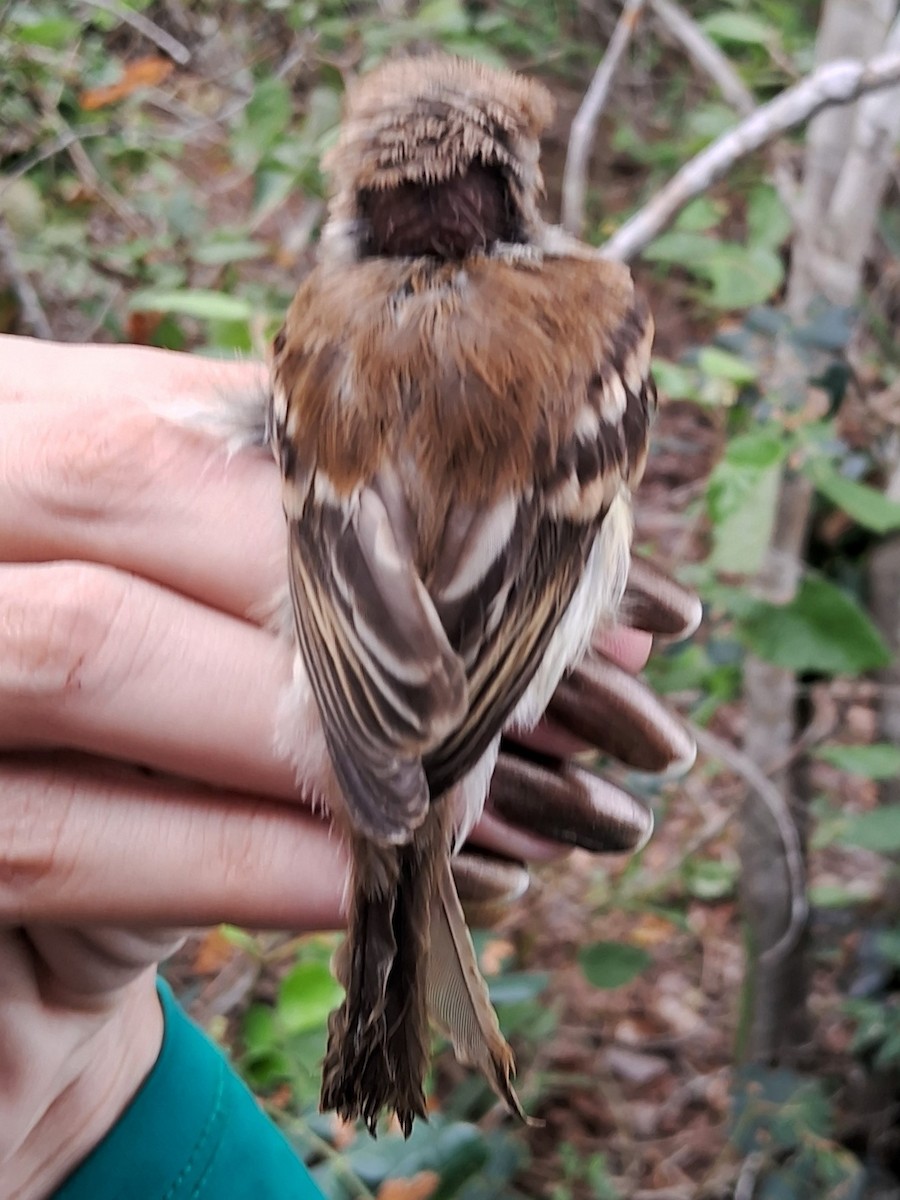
(763, 787)
(705, 54)
(833, 83)
(574, 186)
(146, 28)
(57, 146)
(33, 316)
(93, 180)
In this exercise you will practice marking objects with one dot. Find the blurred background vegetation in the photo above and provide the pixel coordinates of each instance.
(159, 184)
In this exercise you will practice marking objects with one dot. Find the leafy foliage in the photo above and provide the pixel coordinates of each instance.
(612, 964)
(788, 1121)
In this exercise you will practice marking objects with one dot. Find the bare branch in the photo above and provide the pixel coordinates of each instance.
(705, 54)
(33, 316)
(847, 29)
(833, 83)
(859, 190)
(146, 28)
(763, 787)
(574, 187)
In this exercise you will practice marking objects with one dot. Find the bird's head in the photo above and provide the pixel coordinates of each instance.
(437, 156)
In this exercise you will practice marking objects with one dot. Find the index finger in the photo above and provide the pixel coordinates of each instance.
(91, 470)
(52, 372)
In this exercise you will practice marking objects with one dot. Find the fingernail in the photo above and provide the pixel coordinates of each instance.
(655, 603)
(484, 879)
(605, 706)
(568, 804)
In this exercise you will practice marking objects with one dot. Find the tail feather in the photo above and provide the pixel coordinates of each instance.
(458, 997)
(407, 956)
(378, 1039)
(354, 1079)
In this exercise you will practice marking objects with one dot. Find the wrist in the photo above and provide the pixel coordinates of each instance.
(89, 1093)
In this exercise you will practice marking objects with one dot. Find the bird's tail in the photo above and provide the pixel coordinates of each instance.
(407, 956)
(458, 1000)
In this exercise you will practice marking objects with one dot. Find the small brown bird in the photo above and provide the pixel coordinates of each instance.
(460, 411)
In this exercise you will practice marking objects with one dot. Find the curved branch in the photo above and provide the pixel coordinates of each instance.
(762, 786)
(834, 83)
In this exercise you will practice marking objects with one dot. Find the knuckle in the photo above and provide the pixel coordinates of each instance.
(33, 818)
(54, 622)
(99, 458)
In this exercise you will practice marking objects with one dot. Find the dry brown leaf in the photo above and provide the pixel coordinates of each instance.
(142, 72)
(141, 327)
(418, 1187)
(213, 953)
(651, 930)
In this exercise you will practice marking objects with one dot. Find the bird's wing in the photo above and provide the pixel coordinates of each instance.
(507, 574)
(417, 666)
(388, 685)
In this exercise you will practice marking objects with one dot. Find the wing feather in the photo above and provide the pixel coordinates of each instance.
(421, 638)
(388, 685)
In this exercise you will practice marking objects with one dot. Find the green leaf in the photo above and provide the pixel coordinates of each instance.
(271, 187)
(266, 118)
(739, 276)
(233, 336)
(742, 276)
(682, 247)
(877, 830)
(723, 365)
(742, 497)
(762, 449)
(708, 879)
(192, 302)
(741, 535)
(306, 997)
(779, 1108)
(708, 121)
(822, 629)
(260, 1032)
(878, 761)
(674, 380)
(699, 215)
(518, 987)
(443, 18)
(53, 33)
(241, 938)
(220, 251)
(612, 964)
(768, 221)
(868, 507)
(836, 895)
(738, 27)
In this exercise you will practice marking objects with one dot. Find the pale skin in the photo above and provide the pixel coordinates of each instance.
(136, 566)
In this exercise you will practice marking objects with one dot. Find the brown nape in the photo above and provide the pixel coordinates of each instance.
(447, 220)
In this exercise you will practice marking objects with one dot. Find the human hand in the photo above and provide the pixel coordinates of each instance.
(137, 562)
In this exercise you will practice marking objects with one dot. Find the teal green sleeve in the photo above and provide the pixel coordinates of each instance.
(192, 1132)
